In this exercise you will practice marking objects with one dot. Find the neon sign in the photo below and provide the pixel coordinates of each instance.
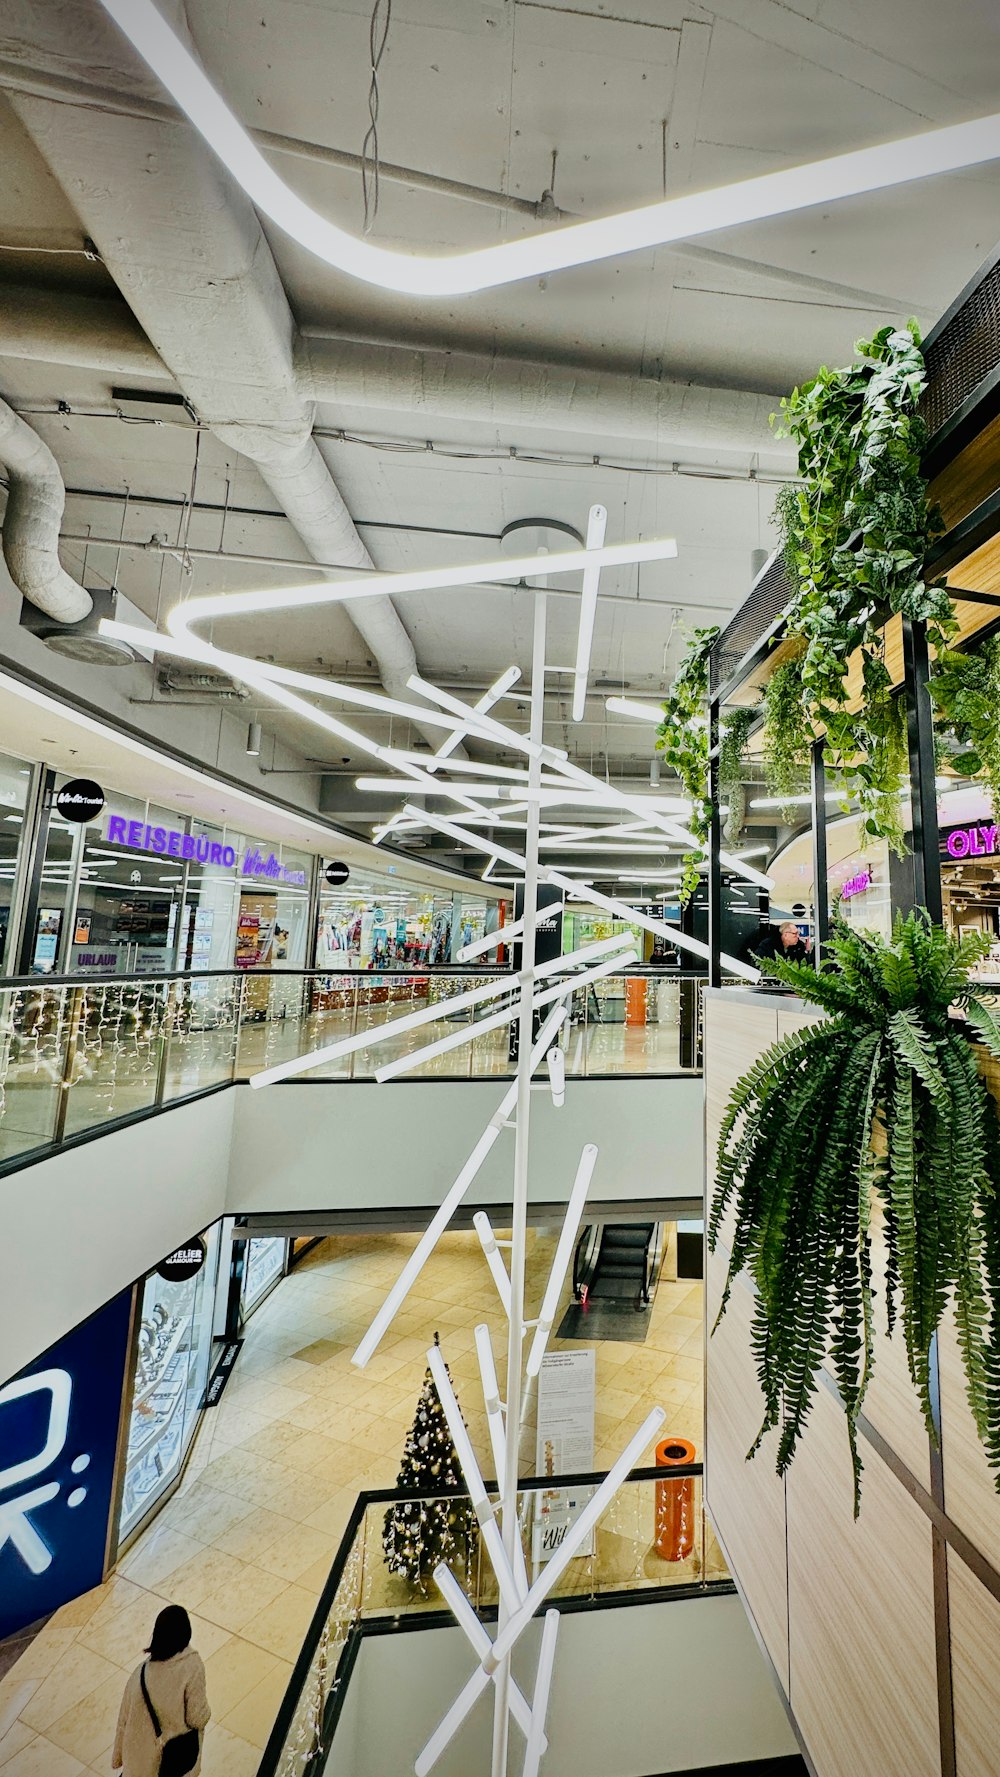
(972, 842)
(169, 842)
(856, 885)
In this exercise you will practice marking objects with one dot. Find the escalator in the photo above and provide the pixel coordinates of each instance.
(614, 1263)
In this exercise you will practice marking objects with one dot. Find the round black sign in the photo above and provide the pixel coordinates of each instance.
(81, 800)
(186, 1262)
(336, 874)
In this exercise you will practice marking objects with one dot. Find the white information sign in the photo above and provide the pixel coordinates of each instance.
(564, 1445)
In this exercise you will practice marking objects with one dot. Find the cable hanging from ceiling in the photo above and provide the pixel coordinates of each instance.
(378, 35)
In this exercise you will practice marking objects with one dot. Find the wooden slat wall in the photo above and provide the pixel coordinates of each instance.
(861, 1612)
(857, 1651)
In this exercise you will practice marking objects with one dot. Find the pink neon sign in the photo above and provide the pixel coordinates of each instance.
(972, 842)
(856, 885)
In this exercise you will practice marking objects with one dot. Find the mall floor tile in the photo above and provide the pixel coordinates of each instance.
(247, 1542)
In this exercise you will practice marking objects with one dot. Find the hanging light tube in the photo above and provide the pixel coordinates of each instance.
(682, 217)
(491, 695)
(404, 1064)
(561, 1257)
(479, 1499)
(393, 1027)
(575, 1535)
(630, 706)
(557, 1076)
(477, 1637)
(442, 1216)
(491, 941)
(540, 1701)
(596, 526)
(491, 1401)
(494, 1259)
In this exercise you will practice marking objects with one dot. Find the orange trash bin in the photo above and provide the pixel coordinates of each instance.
(675, 1526)
(635, 999)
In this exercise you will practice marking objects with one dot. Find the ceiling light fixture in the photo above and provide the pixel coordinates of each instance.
(652, 225)
(596, 525)
(628, 706)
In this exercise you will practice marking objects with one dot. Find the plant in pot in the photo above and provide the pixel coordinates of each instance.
(877, 1107)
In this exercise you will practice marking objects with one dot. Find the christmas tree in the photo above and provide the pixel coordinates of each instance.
(419, 1533)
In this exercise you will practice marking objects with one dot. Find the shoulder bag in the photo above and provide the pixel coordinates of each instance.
(179, 1754)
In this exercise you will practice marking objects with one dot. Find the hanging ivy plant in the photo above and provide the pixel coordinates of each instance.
(878, 1103)
(856, 532)
(734, 765)
(682, 738)
(965, 689)
(787, 732)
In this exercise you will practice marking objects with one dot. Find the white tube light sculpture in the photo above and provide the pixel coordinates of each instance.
(405, 1063)
(575, 1535)
(596, 526)
(439, 1222)
(456, 1002)
(479, 1641)
(561, 1257)
(540, 1702)
(581, 243)
(494, 1259)
(479, 1499)
(630, 706)
(557, 1076)
(492, 940)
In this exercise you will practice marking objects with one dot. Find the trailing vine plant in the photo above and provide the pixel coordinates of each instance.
(734, 766)
(856, 532)
(965, 689)
(682, 738)
(879, 1105)
(787, 732)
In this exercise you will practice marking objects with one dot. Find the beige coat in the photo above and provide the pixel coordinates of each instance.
(177, 1692)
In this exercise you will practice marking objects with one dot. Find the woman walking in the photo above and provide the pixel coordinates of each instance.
(165, 1707)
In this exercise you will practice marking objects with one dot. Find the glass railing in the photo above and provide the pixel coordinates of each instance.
(653, 1538)
(75, 1054)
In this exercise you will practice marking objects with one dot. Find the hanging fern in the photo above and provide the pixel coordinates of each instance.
(682, 738)
(879, 1102)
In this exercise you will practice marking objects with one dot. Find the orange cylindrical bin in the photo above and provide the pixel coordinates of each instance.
(635, 999)
(675, 1526)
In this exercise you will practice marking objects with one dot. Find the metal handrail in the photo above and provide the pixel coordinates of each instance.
(432, 970)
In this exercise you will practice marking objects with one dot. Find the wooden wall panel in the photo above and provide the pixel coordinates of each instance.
(970, 1494)
(971, 478)
(861, 1613)
(975, 1651)
(736, 1032)
(891, 1403)
(746, 1499)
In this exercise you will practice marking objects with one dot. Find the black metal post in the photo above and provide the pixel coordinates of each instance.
(821, 897)
(923, 794)
(714, 848)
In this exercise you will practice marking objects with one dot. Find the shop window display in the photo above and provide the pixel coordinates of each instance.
(15, 779)
(264, 1266)
(172, 1362)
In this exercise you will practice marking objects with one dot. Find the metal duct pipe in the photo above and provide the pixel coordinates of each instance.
(186, 249)
(101, 334)
(36, 498)
(519, 395)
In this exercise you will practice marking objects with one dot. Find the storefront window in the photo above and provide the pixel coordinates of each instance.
(376, 922)
(55, 893)
(128, 906)
(173, 1358)
(15, 779)
(263, 1267)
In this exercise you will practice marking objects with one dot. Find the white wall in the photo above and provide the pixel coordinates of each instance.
(80, 1226)
(346, 1146)
(636, 1690)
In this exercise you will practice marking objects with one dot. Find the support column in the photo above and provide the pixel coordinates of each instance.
(821, 898)
(714, 848)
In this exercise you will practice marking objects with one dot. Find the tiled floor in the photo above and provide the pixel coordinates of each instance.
(248, 1541)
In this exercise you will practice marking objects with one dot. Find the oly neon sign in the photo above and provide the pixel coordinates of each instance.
(972, 842)
(169, 842)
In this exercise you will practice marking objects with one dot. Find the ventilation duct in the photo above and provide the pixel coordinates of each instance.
(36, 499)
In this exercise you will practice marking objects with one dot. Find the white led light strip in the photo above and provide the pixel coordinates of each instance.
(653, 225)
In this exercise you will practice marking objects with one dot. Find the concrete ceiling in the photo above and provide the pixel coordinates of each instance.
(633, 99)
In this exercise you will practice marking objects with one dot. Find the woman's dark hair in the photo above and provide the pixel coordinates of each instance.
(171, 1633)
